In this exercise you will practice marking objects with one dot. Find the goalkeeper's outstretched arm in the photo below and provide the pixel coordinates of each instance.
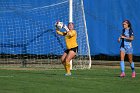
(61, 33)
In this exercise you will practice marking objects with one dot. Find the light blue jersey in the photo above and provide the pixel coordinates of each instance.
(126, 45)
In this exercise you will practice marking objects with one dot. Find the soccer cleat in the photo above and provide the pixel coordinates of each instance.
(122, 74)
(133, 74)
(68, 74)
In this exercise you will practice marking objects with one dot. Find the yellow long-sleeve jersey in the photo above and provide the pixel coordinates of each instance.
(70, 38)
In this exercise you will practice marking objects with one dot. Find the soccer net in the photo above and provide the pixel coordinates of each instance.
(28, 37)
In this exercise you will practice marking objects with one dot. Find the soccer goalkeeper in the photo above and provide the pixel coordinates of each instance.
(71, 44)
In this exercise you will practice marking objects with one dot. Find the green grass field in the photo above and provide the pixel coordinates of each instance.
(96, 80)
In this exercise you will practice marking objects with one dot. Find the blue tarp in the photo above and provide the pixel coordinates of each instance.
(104, 24)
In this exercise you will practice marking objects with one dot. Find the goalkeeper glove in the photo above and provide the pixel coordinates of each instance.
(66, 28)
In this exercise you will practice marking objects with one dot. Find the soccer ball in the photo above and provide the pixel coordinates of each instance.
(59, 25)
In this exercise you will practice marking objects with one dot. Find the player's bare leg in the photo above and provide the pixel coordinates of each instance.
(63, 58)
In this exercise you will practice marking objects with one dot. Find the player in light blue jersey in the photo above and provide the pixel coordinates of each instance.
(126, 39)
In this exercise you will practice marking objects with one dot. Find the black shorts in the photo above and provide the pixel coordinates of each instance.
(75, 49)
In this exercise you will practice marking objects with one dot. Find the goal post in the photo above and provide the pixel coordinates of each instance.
(88, 47)
(71, 20)
(70, 10)
(28, 35)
